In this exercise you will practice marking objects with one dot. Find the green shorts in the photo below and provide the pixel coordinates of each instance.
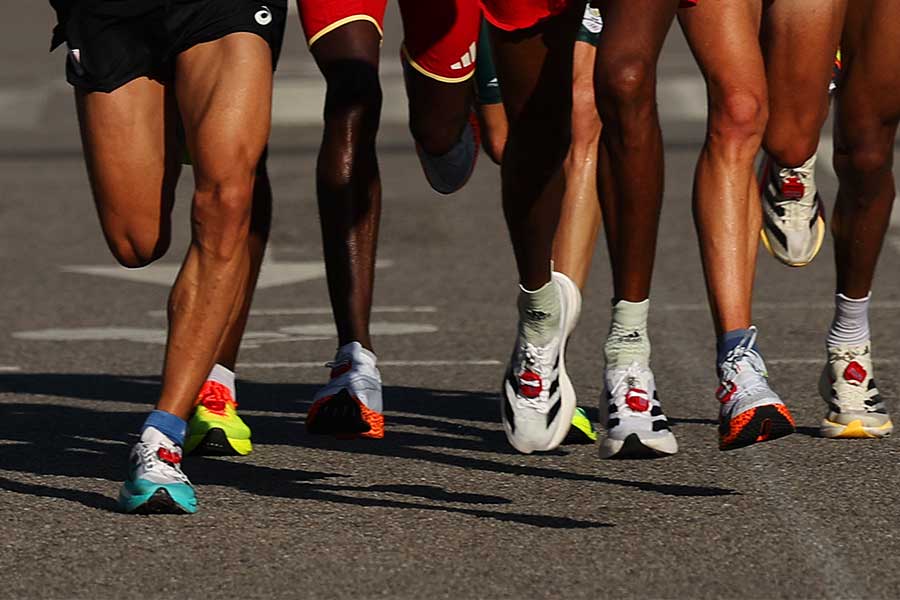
(487, 86)
(591, 26)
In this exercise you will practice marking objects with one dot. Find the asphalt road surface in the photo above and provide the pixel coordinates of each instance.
(442, 507)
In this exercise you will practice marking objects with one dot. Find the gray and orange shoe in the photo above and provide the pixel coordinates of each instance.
(750, 411)
(350, 404)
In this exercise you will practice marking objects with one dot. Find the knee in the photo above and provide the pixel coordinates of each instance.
(353, 101)
(222, 213)
(863, 160)
(738, 120)
(436, 134)
(625, 83)
(135, 249)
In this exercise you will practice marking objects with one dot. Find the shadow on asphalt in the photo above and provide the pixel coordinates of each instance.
(45, 438)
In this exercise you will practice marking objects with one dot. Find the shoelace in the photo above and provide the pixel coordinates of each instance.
(150, 460)
(795, 210)
(730, 368)
(624, 384)
(215, 397)
(535, 362)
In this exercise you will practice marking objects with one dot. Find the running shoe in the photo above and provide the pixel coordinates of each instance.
(750, 411)
(215, 428)
(155, 482)
(538, 398)
(635, 424)
(449, 172)
(855, 408)
(350, 405)
(793, 227)
(582, 430)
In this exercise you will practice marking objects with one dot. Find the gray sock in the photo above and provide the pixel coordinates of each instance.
(539, 313)
(628, 340)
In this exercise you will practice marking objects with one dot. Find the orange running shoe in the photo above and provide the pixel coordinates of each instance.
(750, 411)
(350, 405)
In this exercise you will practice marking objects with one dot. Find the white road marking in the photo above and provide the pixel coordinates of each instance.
(384, 363)
(376, 328)
(9, 369)
(702, 306)
(252, 339)
(273, 273)
(319, 310)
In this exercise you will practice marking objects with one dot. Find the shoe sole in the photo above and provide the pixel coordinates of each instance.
(820, 240)
(216, 443)
(158, 503)
(344, 417)
(760, 424)
(634, 447)
(855, 430)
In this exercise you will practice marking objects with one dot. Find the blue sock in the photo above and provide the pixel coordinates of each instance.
(729, 341)
(174, 428)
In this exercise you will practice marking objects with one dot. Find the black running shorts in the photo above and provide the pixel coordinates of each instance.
(112, 42)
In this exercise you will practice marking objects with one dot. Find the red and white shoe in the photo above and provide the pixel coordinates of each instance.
(349, 405)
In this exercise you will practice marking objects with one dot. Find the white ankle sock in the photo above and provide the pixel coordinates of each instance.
(224, 376)
(850, 326)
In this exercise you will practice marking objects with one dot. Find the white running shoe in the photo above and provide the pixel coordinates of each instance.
(750, 410)
(635, 424)
(155, 481)
(538, 398)
(855, 408)
(350, 405)
(793, 214)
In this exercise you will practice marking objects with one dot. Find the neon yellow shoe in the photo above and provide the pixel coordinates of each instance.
(216, 427)
(582, 430)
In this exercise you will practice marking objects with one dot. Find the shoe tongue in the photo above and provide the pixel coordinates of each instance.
(155, 437)
(354, 353)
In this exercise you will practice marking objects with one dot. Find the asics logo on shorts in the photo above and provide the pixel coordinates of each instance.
(263, 16)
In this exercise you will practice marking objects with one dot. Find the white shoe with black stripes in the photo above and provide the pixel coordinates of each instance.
(635, 424)
(793, 228)
(847, 385)
(538, 398)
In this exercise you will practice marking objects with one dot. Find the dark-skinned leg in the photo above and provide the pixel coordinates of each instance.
(438, 57)
(625, 80)
(631, 169)
(535, 71)
(347, 178)
(349, 195)
(868, 110)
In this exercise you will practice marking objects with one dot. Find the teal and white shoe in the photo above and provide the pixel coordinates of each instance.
(155, 482)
